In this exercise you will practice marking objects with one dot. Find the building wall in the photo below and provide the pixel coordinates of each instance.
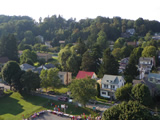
(65, 78)
(104, 95)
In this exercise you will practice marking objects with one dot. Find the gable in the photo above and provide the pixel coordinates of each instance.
(111, 79)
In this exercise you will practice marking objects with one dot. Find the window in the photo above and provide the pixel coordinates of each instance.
(104, 93)
(112, 87)
(105, 86)
(107, 80)
(61, 76)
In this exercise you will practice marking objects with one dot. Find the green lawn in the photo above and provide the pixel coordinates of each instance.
(14, 105)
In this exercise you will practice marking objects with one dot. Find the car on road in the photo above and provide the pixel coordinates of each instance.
(65, 99)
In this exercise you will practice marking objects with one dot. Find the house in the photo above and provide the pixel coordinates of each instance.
(85, 74)
(154, 78)
(109, 84)
(130, 31)
(44, 56)
(48, 44)
(26, 67)
(3, 60)
(47, 66)
(65, 77)
(145, 65)
(122, 64)
(151, 86)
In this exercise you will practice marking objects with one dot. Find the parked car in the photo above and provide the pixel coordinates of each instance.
(65, 99)
(51, 92)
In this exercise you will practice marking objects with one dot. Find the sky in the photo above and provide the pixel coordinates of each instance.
(82, 9)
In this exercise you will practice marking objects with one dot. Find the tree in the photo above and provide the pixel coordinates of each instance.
(10, 73)
(8, 47)
(63, 56)
(109, 64)
(124, 93)
(119, 43)
(79, 48)
(87, 61)
(30, 80)
(73, 63)
(141, 93)
(83, 90)
(149, 51)
(131, 110)
(117, 53)
(126, 51)
(45, 83)
(27, 54)
(54, 78)
(50, 78)
(131, 70)
(102, 40)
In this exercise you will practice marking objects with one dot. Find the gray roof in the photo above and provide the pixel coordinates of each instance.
(145, 58)
(113, 78)
(48, 66)
(26, 66)
(38, 70)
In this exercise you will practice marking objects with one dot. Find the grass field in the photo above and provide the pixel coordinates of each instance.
(14, 105)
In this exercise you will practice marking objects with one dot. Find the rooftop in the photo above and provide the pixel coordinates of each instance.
(84, 74)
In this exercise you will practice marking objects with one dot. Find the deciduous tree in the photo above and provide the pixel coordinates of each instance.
(141, 93)
(83, 90)
(124, 93)
(10, 73)
(30, 80)
(131, 110)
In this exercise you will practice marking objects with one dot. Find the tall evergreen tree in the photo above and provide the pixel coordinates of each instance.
(8, 47)
(87, 61)
(109, 64)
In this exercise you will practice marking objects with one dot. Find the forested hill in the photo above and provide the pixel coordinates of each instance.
(56, 28)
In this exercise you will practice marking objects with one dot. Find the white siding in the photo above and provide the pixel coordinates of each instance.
(104, 95)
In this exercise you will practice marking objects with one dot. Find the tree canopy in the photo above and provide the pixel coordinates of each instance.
(82, 90)
(131, 110)
(11, 72)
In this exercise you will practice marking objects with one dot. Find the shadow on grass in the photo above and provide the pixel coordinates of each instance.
(10, 105)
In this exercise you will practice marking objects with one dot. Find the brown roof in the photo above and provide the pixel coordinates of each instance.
(4, 59)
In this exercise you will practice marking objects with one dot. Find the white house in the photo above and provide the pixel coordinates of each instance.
(145, 65)
(109, 85)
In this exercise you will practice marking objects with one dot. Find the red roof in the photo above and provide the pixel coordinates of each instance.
(84, 74)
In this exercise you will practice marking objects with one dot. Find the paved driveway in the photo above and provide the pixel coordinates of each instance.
(49, 116)
(5, 86)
